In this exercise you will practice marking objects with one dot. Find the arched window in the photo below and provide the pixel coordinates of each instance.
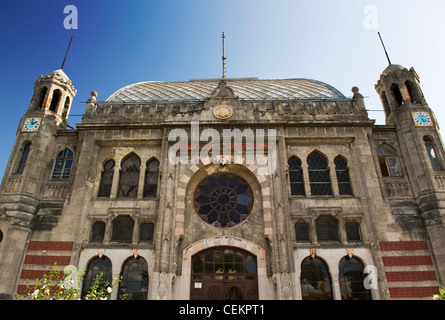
(386, 103)
(66, 107)
(315, 280)
(351, 278)
(98, 231)
(302, 232)
(106, 179)
(412, 91)
(296, 177)
(342, 171)
(129, 177)
(146, 232)
(1, 236)
(151, 178)
(327, 228)
(388, 161)
(42, 96)
(319, 174)
(122, 229)
(397, 95)
(57, 94)
(134, 283)
(98, 267)
(431, 152)
(23, 158)
(63, 164)
(353, 232)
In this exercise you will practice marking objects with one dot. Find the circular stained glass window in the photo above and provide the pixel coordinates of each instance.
(223, 200)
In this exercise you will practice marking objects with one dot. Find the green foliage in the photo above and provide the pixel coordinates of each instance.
(67, 286)
(441, 295)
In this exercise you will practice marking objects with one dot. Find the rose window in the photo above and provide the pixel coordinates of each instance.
(223, 200)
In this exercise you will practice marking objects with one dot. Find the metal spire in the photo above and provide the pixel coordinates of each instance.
(223, 58)
(66, 53)
(387, 56)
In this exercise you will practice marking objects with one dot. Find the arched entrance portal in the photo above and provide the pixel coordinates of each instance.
(224, 273)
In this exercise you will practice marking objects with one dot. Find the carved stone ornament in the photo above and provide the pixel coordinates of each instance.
(350, 252)
(222, 111)
(313, 252)
(100, 253)
(135, 253)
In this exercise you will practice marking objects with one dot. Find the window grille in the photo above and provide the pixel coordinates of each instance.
(342, 172)
(315, 280)
(319, 175)
(122, 229)
(151, 178)
(327, 228)
(98, 232)
(107, 179)
(296, 177)
(134, 282)
(129, 177)
(302, 232)
(352, 231)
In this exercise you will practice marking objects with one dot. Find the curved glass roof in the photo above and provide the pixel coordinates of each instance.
(245, 89)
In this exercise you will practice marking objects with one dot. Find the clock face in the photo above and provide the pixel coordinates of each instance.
(31, 124)
(422, 119)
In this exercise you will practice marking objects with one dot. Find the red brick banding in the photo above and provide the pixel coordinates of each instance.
(413, 292)
(407, 261)
(47, 260)
(51, 245)
(411, 276)
(403, 245)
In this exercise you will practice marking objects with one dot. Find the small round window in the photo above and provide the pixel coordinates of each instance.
(223, 200)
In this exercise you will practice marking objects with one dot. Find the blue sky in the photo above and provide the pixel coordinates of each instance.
(122, 42)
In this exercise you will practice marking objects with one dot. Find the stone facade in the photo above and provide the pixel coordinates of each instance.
(53, 207)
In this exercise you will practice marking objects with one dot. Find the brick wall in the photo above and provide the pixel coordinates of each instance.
(41, 257)
(409, 269)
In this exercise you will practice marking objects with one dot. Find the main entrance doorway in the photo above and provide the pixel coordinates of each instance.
(224, 273)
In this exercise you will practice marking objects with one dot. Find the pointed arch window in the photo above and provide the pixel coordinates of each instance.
(23, 158)
(122, 229)
(429, 145)
(342, 172)
(386, 103)
(151, 178)
(319, 174)
(327, 228)
(397, 95)
(351, 279)
(134, 282)
(388, 161)
(57, 94)
(63, 164)
(129, 177)
(296, 177)
(42, 96)
(106, 179)
(315, 280)
(98, 267)
(412, 91)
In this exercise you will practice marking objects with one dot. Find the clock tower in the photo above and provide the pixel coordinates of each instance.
(421, 147)
(29, 167)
